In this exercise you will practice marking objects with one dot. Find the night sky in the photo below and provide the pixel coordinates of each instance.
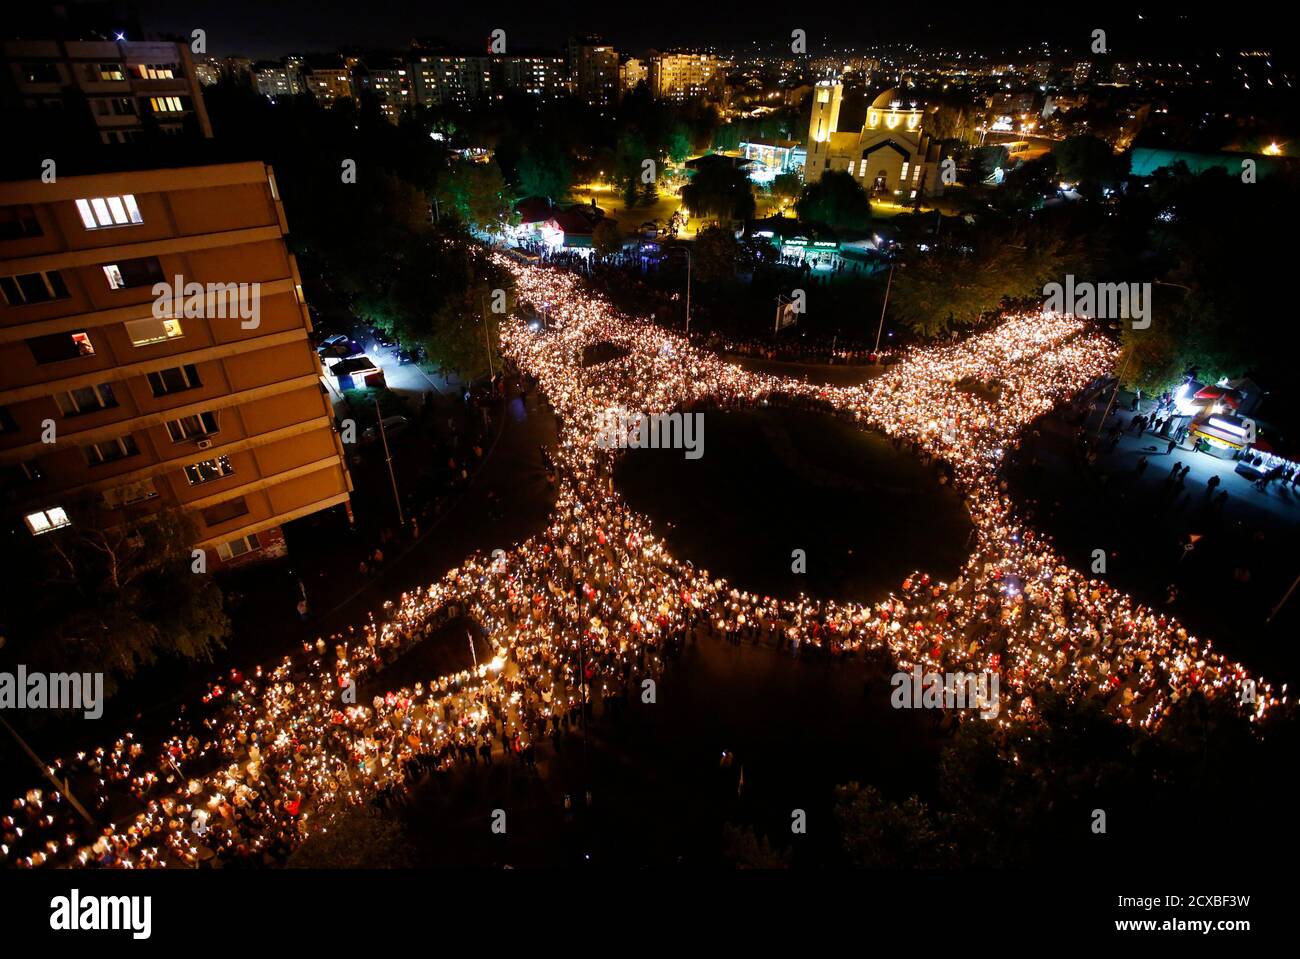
(272, 28)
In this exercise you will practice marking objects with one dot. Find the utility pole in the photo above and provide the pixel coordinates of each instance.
(388, 458)
(1113, 395)
(881, 329)
(62, 787)
(487, 341)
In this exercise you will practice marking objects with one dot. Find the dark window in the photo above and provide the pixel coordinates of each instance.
(60, 346)
(41, 73)
(223, 512)
(188, 427)
(146, 271)
(7, 423)
(17, 222)
(33, 287)
(86, 399)
(110, 450)
(174, 380)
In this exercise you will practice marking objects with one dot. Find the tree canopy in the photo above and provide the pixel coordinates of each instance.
(837, 200)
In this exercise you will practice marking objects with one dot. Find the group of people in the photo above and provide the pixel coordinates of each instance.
(579, 615)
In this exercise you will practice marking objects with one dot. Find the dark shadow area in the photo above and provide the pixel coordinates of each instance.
(775, 480)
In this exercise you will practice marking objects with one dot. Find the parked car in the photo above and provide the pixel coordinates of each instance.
(330, 341)
(382, 338)
(394, 426)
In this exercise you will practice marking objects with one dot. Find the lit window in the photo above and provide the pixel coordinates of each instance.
(151, 330)
(60, 346)
(111, 72)
(145, 271)
(205, 471)
(102, 211)
(42, 521)
(166, 104)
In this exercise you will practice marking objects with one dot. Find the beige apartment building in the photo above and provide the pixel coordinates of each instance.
(687, 76)
(123, 83)
(119, 396)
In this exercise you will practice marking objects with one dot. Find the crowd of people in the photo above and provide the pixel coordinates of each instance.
(584, 611)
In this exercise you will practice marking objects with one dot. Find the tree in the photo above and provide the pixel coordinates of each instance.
(716, 252)
(1088, 162)
(787, 185)
(607, 238)
(111, 600)
(357, 837)
(837, 200)
(880, 834)
(719, 191)
(949, 287)
(985, 161)
(544, 171)
(477, 193)
(748, 850)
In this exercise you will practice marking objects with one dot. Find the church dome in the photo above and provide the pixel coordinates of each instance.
(886, 99)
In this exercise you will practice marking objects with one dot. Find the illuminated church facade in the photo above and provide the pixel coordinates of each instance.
(891, 157)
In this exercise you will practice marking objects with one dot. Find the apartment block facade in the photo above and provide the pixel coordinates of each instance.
(687, 76)
(124, 84)
(118, 398)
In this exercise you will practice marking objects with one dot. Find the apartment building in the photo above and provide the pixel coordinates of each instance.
(392, 88)
(329, 85)
(120, 397)
(593, 67)
(124, 84)
(276, 80)
(687, 76)
(451, 79)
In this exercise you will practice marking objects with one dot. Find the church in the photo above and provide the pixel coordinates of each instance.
(892, 157)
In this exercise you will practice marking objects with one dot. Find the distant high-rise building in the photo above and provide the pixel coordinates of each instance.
(535, 74)
(238, 69)
(631, 72)
(686, 76)
(451, 79)
(118, 324)
(594, 71)
(117, 88)
(1082, 70)
(392, 88)
(276, 80)
(329, 85)
(208, 71)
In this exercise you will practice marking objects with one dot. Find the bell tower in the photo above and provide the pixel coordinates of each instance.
(825, 117)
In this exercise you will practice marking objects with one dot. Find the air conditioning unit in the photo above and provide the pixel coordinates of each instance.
(204, 444)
